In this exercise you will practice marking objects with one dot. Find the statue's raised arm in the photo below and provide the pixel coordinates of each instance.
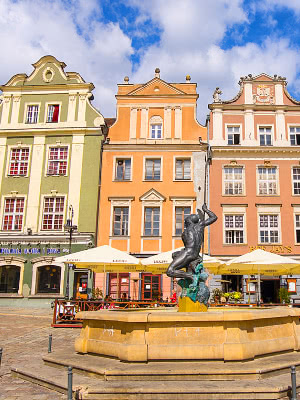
(211, 215)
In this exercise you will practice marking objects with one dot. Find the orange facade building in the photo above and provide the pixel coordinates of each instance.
(255, 177)
(152, 165)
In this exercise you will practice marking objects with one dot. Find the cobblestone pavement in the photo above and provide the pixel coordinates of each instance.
(24, 336)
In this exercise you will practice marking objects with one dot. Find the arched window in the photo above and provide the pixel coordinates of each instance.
(156, 127)
(9, 279)
(48, 279)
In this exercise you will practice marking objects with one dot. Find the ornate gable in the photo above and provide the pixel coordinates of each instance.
(47, 70)
(156, 87)
(153, 196)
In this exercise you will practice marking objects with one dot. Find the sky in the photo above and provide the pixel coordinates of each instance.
(216, 42)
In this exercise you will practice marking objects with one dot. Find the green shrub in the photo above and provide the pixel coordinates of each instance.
(284, 295)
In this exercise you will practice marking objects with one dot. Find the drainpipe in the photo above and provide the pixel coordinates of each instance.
(208, 183)
(104, 131)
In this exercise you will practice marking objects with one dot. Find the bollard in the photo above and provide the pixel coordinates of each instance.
(0, 355)
(294, 387)
(70, 383)
(50, 343)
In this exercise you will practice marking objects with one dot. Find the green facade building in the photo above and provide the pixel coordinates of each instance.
(50, 155)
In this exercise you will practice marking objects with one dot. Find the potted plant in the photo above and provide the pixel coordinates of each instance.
(284, 295)
(216, 295)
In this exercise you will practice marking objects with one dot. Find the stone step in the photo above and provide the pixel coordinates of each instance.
(90, 388)
(110, 369)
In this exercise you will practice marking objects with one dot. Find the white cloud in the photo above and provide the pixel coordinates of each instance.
(190, 44)
(70, 32)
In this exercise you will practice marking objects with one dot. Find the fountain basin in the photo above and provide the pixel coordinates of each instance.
(220, 334)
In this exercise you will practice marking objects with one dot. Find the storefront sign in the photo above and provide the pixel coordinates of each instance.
(32, 250)
(273, 249)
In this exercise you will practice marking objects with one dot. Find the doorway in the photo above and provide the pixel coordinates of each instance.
(81, 285)
(151, 287)
(269, 290)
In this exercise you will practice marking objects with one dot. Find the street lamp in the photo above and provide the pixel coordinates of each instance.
(69, 227)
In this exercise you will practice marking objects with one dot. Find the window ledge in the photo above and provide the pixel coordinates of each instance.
(16, 176)
(152, 180)
(46, 296)
(182, 180)
(11, 295)
(233, 195)
(119, 237)
(122, 180)
(151, 237)
(269, 244)
(235, 244)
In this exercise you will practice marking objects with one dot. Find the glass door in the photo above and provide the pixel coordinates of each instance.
(151, 287)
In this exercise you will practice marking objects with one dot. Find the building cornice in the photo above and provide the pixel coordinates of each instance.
(257, 149)
(154, 147)
(253, 107)
(46, 88)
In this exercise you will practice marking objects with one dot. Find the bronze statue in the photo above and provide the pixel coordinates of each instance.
(192, 237)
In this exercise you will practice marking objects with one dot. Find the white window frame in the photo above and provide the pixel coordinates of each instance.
(4, 197)
(264, 126)
(296, 214)
(156, 120)
(112, 222)
(160, 221)
(234, 214)
(41, 262)
(47, 158)
(293, 126)
(115, 159)
(42, 212)
(258, 181)
(31, 103)
(260, 213)
(33, 114)
(144, 168)
(180, 202)
(225, 181)
(292, 179)
(175, 159)
(227, 133)
(9, 149)
(52, 103)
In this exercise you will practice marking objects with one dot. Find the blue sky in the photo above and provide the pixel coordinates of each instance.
(214, 41)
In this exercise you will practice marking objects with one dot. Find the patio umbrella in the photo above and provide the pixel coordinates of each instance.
(259, 262)
(159, 263)
(103, 259)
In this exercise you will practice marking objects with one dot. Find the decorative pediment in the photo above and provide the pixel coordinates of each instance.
(263, 77)
(156, 87)
(47, 70)
(152, 195)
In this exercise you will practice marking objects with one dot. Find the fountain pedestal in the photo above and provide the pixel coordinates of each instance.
(221, 334)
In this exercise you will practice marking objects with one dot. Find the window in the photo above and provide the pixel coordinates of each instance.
(180, 214)
(295, 136)
(267, 181)
(233, 180)
(53, 213)
(234, 229)
(118, 287)
(151, 221)
(53, 112)
(57, 161)
(233, 135)
(9, 279)
(297, 226)
(183, 169)
(123, 170)
(152, 170)
(48, 279)
(18, 164)
(265, 136)
(32, 114)
(151, 287)
(13, 214)
(120, 221)
(269, 228)
(296, 180)
(156, 131)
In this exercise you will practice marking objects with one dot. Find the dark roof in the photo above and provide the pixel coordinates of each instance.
(110, 121)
